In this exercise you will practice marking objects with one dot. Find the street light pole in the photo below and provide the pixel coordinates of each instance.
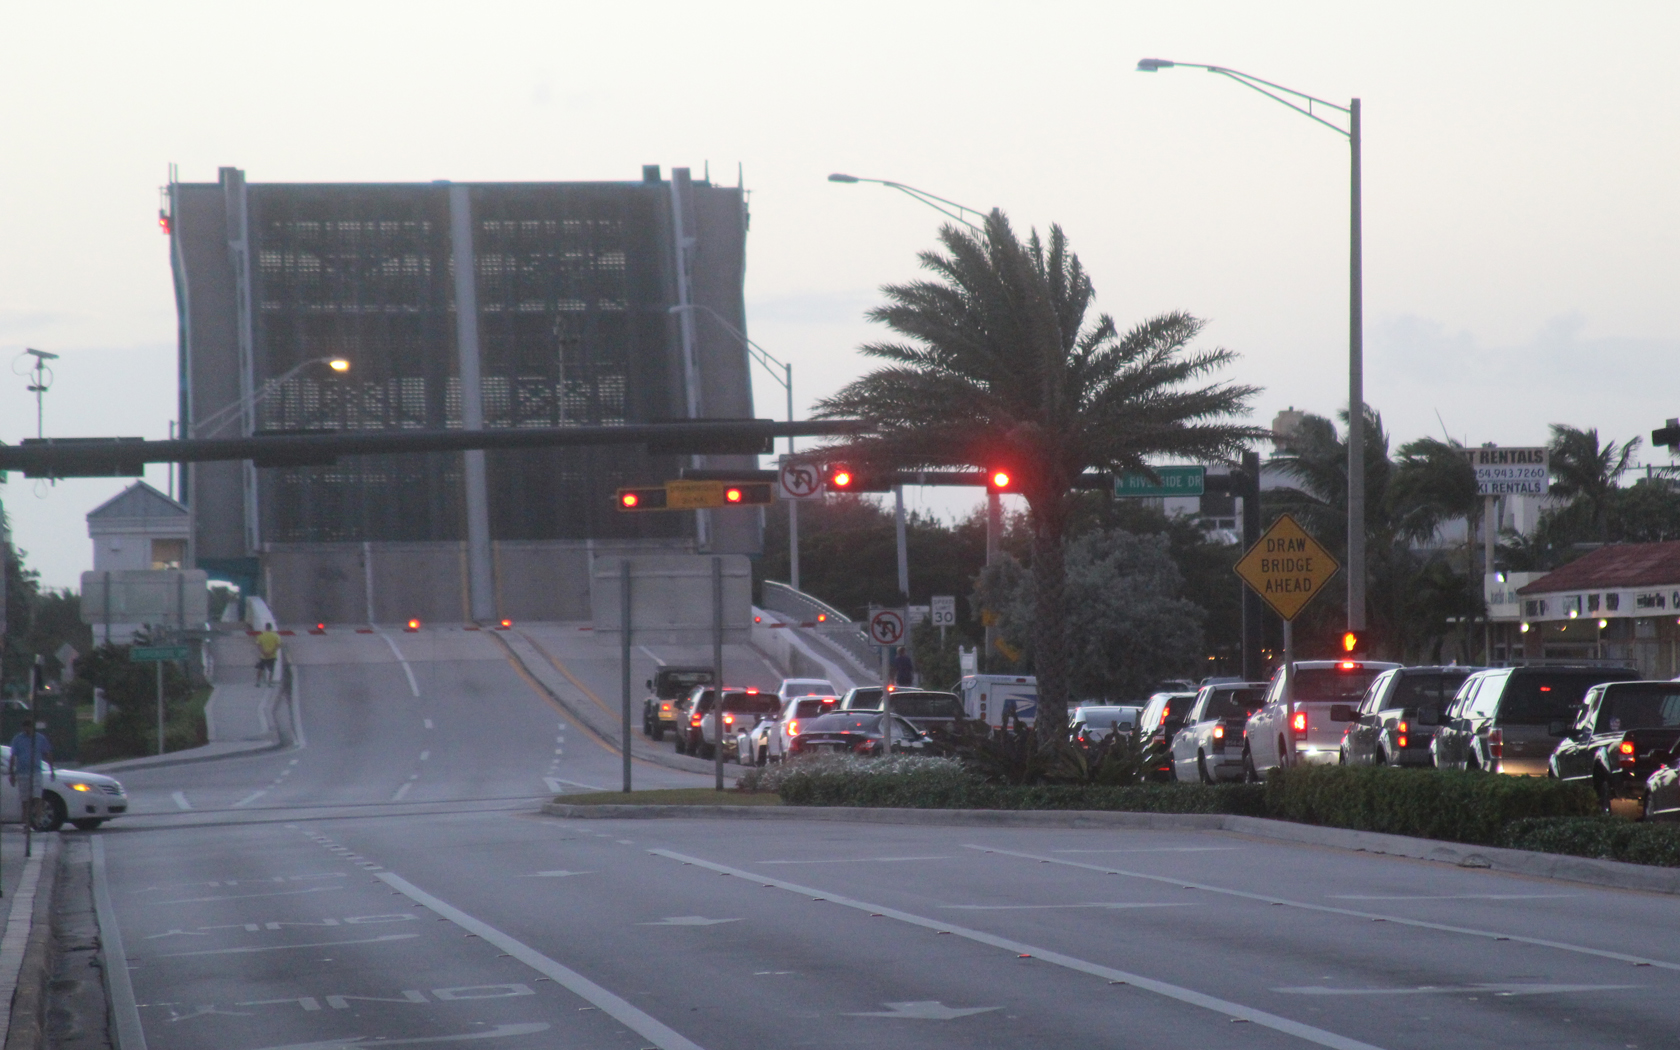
(197, 429)
(1305, 104)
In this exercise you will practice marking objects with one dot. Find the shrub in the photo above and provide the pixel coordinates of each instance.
(1459, 806)
(1602, 837)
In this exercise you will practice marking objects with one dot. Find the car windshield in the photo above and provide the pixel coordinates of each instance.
(1234, 703)
(1321, 684)
(685, 680)
(1416, 691)
(810, 707)
(806, 687)
(864, 700)
(927, 705)
(755, 703)
(844, 723)
(1109, 719)
(1647, 705)
(1543, 697)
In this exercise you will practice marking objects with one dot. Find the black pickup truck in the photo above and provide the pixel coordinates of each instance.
(668, 689)
(1622, 734)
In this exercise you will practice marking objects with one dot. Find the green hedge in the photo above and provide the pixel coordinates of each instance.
(1605, 838)
(1455, 805)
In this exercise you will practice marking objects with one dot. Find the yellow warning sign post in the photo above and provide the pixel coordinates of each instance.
(1287, 568)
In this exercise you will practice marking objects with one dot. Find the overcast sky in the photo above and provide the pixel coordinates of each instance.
(1521, 220)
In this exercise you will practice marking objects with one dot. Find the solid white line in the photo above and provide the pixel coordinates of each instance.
(1398, 920)
(398, 797)
(851, 860)
(1171, 991)
(130, 1036)
(650, 655)
(501, 1031)
(428, 723)
(425, 755)
(180, 798)
(413, 686)
(252, 797)
(618, 1009)
(299, 740)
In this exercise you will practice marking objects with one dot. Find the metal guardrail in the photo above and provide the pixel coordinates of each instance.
(836, 626)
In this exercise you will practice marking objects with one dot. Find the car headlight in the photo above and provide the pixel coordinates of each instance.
(80, 787)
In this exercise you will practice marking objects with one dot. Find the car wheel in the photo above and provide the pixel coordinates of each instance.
(1283, 753)
(1380, 758)
(91, 824)
(1250, 774)
(1602, 787)
(658, 731)
(50, 815)
(647, 730)
(1341, 757)
(1472, 764)
(1202, 769)
(680, 743)
(705, 751)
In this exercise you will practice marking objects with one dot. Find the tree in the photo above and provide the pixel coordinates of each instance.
(1001, 368)
(1129, 624)
(1583, 470)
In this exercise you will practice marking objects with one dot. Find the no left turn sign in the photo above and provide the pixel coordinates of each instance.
(886, 626)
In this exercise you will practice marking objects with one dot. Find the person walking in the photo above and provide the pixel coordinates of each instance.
(904, 668)
(268, 650)
(29, 748)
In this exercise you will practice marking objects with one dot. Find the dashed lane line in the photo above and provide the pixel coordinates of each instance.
(181, 802)
(1189, 996)
(252, 797)
(620, 1010)
(1637, 960)
(413, 686)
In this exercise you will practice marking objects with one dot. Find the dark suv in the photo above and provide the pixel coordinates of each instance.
(1501, 719)
(1625, 731)
(1399, 715)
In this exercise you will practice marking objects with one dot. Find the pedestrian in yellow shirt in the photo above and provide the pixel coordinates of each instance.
(268, 648)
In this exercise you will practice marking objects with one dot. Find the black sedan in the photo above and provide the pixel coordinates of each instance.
(1625, 732)
(855, 733)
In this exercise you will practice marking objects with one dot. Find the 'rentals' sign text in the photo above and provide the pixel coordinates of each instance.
(1509, 471)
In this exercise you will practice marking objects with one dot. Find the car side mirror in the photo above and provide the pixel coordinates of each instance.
(1343, 713)
(1558, 727)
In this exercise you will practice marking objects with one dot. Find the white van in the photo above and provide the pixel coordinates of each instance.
(992, 698)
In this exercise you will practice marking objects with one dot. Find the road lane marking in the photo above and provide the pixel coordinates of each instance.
(424, 755)
(1399, 920)
(1496, 989)
(501, 1031)
(852, 860)
(618, 1009)
(252, 797)
(1044, 907)
(1155, 849)
(181, 802)
(289, 947)
(398, 797)
(650, 655)
(562, 874)
(245, 896)
(130, 1036)
(1188, 996)
(552, 781)
(1457, 897)
(687, 920)
(569, 676)
(428, 723)
(413, 686)
(927, 1010)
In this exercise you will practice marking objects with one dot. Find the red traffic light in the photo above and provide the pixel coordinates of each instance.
(999, 480)
(649, 498)
(732, 495)
(841, 477)
(629, 499)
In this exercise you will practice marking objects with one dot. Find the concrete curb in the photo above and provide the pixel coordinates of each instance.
(277, 740)
(27, 1020)
(1612, 874)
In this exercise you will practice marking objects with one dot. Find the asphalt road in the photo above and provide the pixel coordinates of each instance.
(390, 882)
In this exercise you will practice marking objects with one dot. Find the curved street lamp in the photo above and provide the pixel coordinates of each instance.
(221, 417)
(1310, 107)
(938, 204)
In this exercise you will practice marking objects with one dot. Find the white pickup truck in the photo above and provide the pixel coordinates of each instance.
(1327, 698)
(1209, 746)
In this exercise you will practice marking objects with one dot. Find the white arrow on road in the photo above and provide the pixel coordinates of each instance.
(687, 920)
(501, 1031)
(1433, 989)
(927, 1010)
(554, 874)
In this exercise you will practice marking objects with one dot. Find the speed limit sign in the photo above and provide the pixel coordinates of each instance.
(800, 480)
(886, 626)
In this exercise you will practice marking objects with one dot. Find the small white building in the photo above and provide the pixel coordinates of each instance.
(139, 528)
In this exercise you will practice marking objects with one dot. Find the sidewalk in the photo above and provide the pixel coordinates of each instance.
(27, 887)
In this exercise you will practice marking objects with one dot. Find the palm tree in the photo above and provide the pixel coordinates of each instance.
(1001, 369)
(1584, 470)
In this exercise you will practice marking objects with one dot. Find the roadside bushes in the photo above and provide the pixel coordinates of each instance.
(1604, 838)
(1458, 806)
(914, 782)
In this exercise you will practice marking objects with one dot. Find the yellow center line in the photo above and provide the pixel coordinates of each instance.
(541, 690)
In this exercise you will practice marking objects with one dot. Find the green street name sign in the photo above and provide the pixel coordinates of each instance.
(157, 653)
(1175, 481)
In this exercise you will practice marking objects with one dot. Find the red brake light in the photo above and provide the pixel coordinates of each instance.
(1403, 729)
(728, 719)
(1403, 742)
(664, 707)
(1496, 743)
(1626, 747)
(1219, 732)
(1299, 722)
(752, 690)
(1349, 665)
(1545, 689)
(793, 727)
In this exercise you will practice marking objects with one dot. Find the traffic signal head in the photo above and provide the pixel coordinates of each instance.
(748, 494)
(1353, 642)
(650, 498)
(1668, 436)
(840, 477)
(999, 479)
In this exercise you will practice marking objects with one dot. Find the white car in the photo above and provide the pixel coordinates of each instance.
(769, 740)
(792, 687)
(85, 800)
(1327, 697)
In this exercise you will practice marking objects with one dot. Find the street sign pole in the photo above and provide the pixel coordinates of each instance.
(624, 655)
(717, 668)
(1289, 688)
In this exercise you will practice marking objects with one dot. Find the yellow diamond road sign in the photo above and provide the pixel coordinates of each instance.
(1287, 567)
